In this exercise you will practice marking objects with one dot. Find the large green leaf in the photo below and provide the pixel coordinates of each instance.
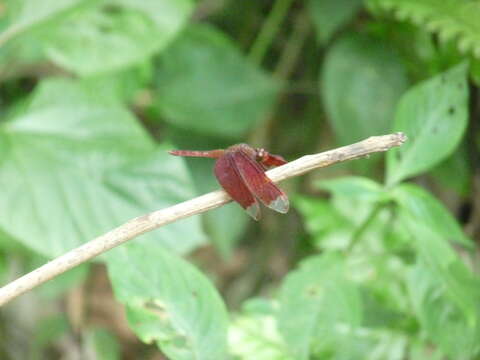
(433, 115)
(431, 212)
(314, 299)
(89, 36)
(361, 82)
(23, 15)
(329, 15)
(441, 319)
(74, 165)
(205, 84)
(116, 34)
(169, 302)
(23, 24)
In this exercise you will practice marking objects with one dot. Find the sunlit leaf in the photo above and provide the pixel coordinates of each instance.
(116, 34)
(433, 115)
(23, 15)
(169, 302)
(91, 37)
(74, 165)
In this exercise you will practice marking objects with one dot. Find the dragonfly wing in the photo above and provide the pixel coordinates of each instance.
(258, 182)
(232, 182)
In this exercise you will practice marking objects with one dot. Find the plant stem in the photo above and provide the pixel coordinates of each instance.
(156, 219)
(268, 31)
(358, 233)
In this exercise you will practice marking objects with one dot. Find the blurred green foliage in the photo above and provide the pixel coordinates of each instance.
(378, 258)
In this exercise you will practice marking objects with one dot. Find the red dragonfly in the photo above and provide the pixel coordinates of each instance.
(240, 170)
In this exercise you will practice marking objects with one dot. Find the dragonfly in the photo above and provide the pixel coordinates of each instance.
(240, 170)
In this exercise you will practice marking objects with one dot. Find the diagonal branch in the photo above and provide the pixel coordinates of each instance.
(154, 220)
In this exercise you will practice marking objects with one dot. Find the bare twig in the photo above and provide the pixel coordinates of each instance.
(154, 220)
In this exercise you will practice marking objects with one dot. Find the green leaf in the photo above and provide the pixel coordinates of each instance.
(169, 302)
(204, 84)
(329, 15)
(115, 34)
(441, 319)
(253, 333)
(125, 85)
(23, 15)
(433, 115)
(314, 299)
(74, 165)
(358, 187)
(459, 284)
(361, 82)
(90, 37)
(355, 197)
(449, 19)
(458, 164)
(428, 210)
(328, 228)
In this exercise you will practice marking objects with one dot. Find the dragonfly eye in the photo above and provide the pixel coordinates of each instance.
(260, 154)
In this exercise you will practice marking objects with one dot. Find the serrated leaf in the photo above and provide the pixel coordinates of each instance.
(428, 210)
(313, 300)
(433, 115)
(447, 18)
(74, 165)
(204, 84)
(361, 82)
(169, 302)
(329, 15)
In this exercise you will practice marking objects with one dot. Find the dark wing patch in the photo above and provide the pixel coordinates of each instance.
(258, 182)
(229, 178)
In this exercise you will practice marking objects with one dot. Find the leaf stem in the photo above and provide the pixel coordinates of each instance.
(268, 31)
